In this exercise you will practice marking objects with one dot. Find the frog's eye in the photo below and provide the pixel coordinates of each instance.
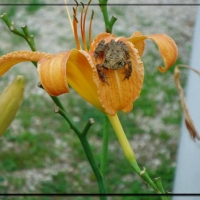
(120, 63)
(105, 61)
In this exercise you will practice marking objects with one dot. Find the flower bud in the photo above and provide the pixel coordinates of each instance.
(10, 101)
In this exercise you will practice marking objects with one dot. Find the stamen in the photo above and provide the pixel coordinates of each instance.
(82, 4)
(82, 11)
(76, 3)
(84, 39)
(75, 9)
(69, 17)
(90, 28)
(75, 21)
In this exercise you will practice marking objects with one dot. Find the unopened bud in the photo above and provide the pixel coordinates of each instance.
(10, 101)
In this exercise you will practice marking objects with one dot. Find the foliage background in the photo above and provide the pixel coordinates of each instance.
(40, 154)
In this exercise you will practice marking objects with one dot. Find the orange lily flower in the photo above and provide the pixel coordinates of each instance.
(108, 90)
(78, 68)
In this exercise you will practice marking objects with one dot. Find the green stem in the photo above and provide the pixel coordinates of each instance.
(69, 120)
(91, 160)
(57, 101)
(143, 174)
(160, 187)
(87, 127)
(29, 38)
(60, 109)
(108, 24)
(128, 151)
(112, 21)
(105, 14)
(105, 147)
(88, 151)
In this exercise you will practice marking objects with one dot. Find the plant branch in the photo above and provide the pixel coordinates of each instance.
(105, 147)
(108, 24)
(29, 38)
(68, 119)
(129, 153)
(87, 127)
(87, 149)
(60, 109)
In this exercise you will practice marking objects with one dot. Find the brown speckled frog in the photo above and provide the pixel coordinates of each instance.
(115, 56)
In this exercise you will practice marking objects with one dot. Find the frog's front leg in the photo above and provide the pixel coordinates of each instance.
(100, 70)
(99, 51)
(128, 71)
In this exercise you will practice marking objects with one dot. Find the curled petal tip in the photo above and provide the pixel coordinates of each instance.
(167, 48)
(162, 69)
(52, 73)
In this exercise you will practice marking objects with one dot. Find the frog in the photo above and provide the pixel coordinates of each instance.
(116, 55)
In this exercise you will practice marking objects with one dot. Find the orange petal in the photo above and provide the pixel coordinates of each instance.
(80, 76)
(52, 73)
(101, 36)
(167, 48)
(13, 58)
(120, 94)
(166, 45)
(73, 67)
(138, 40)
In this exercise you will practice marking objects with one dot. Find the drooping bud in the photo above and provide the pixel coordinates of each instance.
(10, 101)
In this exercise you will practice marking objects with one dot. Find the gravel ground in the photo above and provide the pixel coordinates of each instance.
(53, 34)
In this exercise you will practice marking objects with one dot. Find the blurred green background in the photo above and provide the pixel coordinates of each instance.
(39, 153)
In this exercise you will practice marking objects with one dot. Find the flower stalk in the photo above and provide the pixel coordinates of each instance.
(160, 187)
(104, 147)
(129, 153)
(60, 109)
(86, 146)
(108, 23)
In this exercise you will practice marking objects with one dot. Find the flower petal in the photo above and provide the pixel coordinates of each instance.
(120, 94)
(73, 67)
(167, 48)
(166, 45)
(13, 58)
(80, 76)
(52, 73)
(138, 41)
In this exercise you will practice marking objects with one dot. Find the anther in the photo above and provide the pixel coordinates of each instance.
(82, 4)
(76, 3)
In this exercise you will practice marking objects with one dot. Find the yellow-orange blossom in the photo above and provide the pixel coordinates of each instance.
(78, 68)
